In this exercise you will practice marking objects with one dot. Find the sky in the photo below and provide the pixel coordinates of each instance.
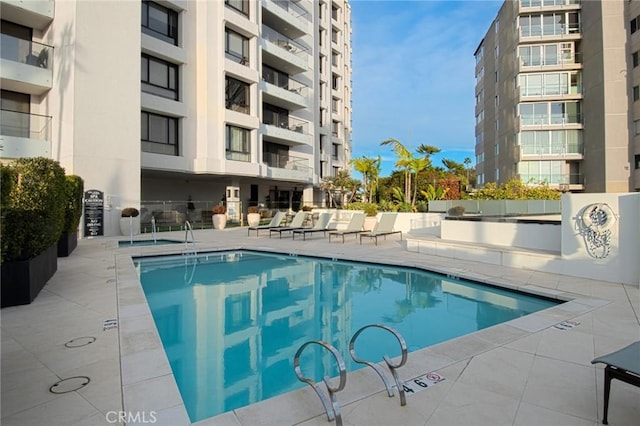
(413, 75)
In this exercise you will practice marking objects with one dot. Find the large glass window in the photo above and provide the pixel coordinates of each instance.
(541, 171)
(160, 22)
(236, 47)
(159, 133)
(237, 95)
(241, 6)
(159, 77)
(546, 24)
(551, 142)
(238, 143)
(545, 84)
(275, 77)
(15, 117)
(545, 113)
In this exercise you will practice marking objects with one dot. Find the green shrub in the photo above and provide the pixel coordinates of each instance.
(370, 209)
(75, 190)
(456, 211)
(34, 213)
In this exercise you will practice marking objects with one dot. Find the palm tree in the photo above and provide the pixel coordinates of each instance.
(416, 166)
(366, 166)
(404, 158)
(467, 163)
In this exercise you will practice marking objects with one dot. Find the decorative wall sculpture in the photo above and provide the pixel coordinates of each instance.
(595, 224)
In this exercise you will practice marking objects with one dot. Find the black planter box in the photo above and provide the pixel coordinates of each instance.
(22, 280)
(67, 243)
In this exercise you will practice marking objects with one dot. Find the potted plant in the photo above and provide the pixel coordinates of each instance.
(129, 222)
(219, 218)
(307, 208)
(253, 216)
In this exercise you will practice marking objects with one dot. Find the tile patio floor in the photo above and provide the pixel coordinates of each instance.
(524, 372)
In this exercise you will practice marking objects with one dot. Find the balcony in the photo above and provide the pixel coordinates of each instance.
(546, 151)
(283, 53)
(291, 132)
(292, 96)
(549, 93)
(289, 17)
(542, 63)
(36, 14)
(550, 32)
(532, 5)
(575, 180)
(288, 167)
(25, 66)
(24, 135)
(573, 121)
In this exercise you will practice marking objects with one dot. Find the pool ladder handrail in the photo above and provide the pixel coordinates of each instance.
(188, 230)
(328, 398)
(392, 367)
(154, 231)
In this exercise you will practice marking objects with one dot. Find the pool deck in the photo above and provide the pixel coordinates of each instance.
(524, 372)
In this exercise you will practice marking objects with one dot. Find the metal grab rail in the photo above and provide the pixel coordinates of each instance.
(188, 230)
(377, 368)
(154, 231)
(329, 400)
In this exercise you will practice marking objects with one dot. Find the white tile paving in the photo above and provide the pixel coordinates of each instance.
(520, 373)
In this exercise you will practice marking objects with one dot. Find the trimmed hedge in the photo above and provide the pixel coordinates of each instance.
(33, 207)
(370, 209)
(74, 189)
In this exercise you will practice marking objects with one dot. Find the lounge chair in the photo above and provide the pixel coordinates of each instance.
(623, 364)
(383, 228)
(296, 223)
(321, 226)
(355, 225)
(275, 222)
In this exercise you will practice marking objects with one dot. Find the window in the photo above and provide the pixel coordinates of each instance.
(334, 151)
(336, 171)
(159, 77)
(335, 81)
(159, 133)
(241, 6)
(636, 126)
(634, 59)
(236, 47)
(321, 64)
(335, 59)
(160, 22)
(497, 174)
(320, 37)
(497, 148)
(322, 143)
(335, 104)
(334, 12)
(335, 128)
(238, 143)
(334, 35)
(275, 116)
(636, 93)
(633, 25)
(637, 161)
(16, 115)
(237, 95)
(323, 169)
(275, 77)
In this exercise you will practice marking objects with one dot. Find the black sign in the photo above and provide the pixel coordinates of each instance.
(93, 213)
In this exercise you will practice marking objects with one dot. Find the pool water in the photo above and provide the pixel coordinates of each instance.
(231, 322)
(129, 243)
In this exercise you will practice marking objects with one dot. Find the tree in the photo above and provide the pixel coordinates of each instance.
(342, 186)
(404, 158)
(369, 168)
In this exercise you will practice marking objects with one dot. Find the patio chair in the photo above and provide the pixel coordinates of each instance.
(623, 364)
(321, 226)
(296, 223)
(383, 228)
(275, 222)
(355, 225)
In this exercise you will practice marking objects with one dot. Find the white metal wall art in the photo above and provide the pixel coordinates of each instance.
(595, 224)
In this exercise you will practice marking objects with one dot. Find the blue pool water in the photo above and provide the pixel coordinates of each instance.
(231, 322)
(129, 243)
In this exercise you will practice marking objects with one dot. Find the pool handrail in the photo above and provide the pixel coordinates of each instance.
(188, 230)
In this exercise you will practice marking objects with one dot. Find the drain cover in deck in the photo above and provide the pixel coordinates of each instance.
(70, 384)
(80, 341)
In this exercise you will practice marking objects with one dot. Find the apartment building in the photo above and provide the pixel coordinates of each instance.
(556, 95)
(176, 100)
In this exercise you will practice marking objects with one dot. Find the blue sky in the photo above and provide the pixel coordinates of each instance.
(413, 75)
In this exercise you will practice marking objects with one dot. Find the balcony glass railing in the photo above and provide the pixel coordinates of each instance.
(549, 30)
(283, 41)
(553, 119)
(290, 123)
(549, 90)
(549, 60)
(291, 7)
(553, 178)
(26, 52)
(25, 125)
(289, 84)
(551, 148)
(547, 3)
(285, 161)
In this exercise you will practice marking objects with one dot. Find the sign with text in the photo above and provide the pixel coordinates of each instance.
(93, 213)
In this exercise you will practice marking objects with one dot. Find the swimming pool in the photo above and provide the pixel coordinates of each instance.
(129, 243)
(231, 322)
